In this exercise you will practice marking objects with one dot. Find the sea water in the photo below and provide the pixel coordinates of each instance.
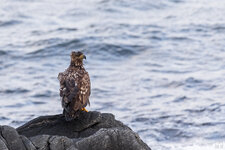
(158, 66)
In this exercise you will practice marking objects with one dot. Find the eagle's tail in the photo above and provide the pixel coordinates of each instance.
(69, 116)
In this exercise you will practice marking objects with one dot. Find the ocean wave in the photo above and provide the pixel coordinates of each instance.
(9, 23)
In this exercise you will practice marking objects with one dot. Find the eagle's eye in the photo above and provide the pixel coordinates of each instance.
(79, 53)
(72, 54)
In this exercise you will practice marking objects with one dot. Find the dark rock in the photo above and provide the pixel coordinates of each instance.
(2, 142)
(56, 125)
(41, 142)
(3, 145)
(91, 131)
(12, 138)
(112, 139)
(61, 142)
(28, 144)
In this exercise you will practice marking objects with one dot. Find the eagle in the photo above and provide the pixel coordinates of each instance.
(75, 87)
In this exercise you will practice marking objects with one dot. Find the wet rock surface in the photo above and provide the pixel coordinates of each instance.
(91, 131)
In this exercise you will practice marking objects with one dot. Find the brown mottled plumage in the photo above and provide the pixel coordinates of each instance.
(75, 87)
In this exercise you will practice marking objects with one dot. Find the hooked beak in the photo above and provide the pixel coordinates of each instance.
(82, 56)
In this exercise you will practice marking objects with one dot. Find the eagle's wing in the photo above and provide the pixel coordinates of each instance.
(84, 90)
(68, 90)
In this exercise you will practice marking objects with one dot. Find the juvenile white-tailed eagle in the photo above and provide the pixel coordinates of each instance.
(75, 87)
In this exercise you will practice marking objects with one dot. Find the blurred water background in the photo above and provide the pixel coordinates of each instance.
(159, 66)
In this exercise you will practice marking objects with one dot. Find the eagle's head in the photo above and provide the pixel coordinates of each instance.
(77, 58)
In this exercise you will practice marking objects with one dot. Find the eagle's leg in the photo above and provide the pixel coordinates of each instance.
(84, 109)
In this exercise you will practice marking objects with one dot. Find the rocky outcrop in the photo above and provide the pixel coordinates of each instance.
(91, 131)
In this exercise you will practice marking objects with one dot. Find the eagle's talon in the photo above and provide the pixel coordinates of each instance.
(84, 109)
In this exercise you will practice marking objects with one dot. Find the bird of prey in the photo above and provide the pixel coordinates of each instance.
(75, 87)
